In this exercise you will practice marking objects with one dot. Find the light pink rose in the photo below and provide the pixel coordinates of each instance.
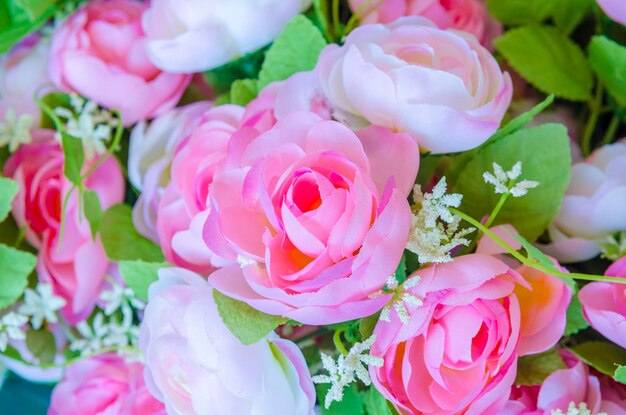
(604, 304)
(198, 35)
(614, 9)
(104, 385)
(196, 366)
(592, 208)
(100, 53)
(467, 15)
(316, 215)
(150, 157)
(76, 268)
(184, 206)
(441, 86)
(458, 352)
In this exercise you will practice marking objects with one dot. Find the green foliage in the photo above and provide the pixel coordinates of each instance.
(568, 14)
(73, 157)
(93, 211)
(375, 403)
(603, 356)
(516, 12)
(608, 60)
(534, 369)
(50, 101)
(549, 60)
(620, 374)
(8, 190)
(42, 345)
(367, 325)
(545, 156)
(352, 403)
(246, 323)
(138, 275)
(16, 266)
(243, 91)
(575, 320)
(18, 18)
(295, 49)
(121, 240)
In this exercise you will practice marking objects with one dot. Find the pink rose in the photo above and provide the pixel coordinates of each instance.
(184, 207)
(592, 208)
(316, 216)
(100, 53)
(196, 366)
(604, 304)
(467, 15)
(76, 268)
(150, 157)
(411, 76)
(458, 352)
(104, 384)
(614, 9)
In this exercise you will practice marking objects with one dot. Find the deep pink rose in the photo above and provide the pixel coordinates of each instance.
(467, 15)
(411, 76)
(184, 207)
(100, 53)
(604, 304)
(315, 214)
(614, 9)
(458, 352)
(76, 268)
(104, 385)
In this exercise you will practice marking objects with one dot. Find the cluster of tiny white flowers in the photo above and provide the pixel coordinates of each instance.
(91, 124)
(401, 298)
(435, 230)
(347, 369)
(505, 181)
(613, 246)
(572, 409)
(11, 328)
(15, 131)
(41, 305)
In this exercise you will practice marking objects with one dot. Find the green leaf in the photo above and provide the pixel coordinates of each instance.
(74, 157)
(375, 403)
(367, 325)
(608, 60)
(8, 190)
(93, 211)
(35, 8)
(620, 374)
(545, 156)
(568, 14)
(296, 49)
(401, 270)
(515, 12)
(243, 91)
(121, 240)
(53, 100)
(138, 275)
(534, 369)
(16, 266)
(352, 403)
(42, 345)
(246, 323)
(548, 60)
(603, 356)
(15, 23)
(575, 320)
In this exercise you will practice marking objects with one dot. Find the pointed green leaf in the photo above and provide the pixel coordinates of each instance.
(16, 266)
(515, 12)
(575, 320)
(243, 91)
(620, 374)
(138, 275)
(8, 190)
(534, 369)
(608, 60)
(93, 211)
(42, 345)
(603, 356)
(73, 156)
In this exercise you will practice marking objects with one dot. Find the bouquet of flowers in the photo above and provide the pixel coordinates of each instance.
(297, 207)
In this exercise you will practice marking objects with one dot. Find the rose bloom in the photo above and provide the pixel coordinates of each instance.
(104, 384)
(195, 365)
(184, 206)
(440, 86)
(604, 304)
(100, 52)
(150, 157)
(467, 15)
(77, 266)
(592, 208)
(315, 214)
(614, 9)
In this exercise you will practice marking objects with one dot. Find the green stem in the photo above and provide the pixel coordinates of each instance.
(336, 22)
(595, 107)
(338, 343)
(611, 130)
(496, 210)
(20, 237)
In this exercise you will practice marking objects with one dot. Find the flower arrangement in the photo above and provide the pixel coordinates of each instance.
(298, 207)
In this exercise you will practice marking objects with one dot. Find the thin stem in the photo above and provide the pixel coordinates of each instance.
(335, 12)
(338, 343)
(496, 210)
(595, 106)
(611, 130)
(20, 237)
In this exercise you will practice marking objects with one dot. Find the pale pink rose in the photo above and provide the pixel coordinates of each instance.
(458, 352)
(196, 35)
(150, 157)
(316, 215)
(23, 71)
(592, 208)
(411, 76)
(104, 384)
(100, 53)
(195, 365)
(615, 9)
(76, 268)
(184, 206)
(604, 304)
(467, 15)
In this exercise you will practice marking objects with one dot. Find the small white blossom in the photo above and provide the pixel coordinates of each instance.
(572, 409)
(15, 131)
(244, 261)
(11, 329)
(120, 297)
(92, 336)
(41, 304)
(401, 298)
(347, 369)
(504, 181)
(434, 229)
